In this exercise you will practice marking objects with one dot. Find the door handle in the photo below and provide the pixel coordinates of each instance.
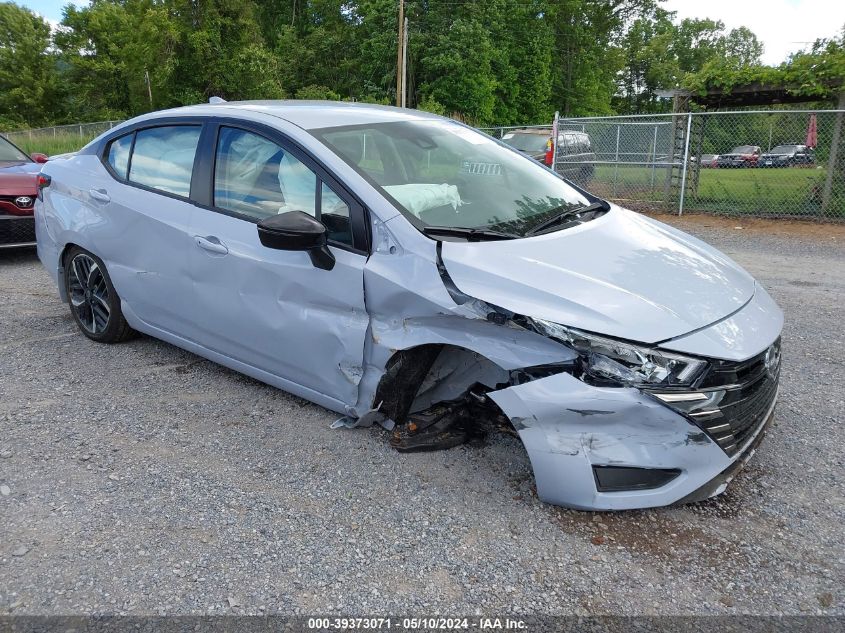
(211, 244)
(100, 194)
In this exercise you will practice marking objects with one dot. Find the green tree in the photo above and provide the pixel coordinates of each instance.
(102, 62)
(660, 53)
(457, 70)
(741, 46)
(493, 62)
(29, 89)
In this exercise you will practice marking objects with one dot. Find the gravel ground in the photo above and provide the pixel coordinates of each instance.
(141, 479)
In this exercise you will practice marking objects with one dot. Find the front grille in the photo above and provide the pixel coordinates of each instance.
(750, 388)
(12, 201)
(17, 231)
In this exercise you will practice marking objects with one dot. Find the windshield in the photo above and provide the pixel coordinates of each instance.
(526, 142)
(783, 149)
(743, 149)
(10, 153)
(443, 174)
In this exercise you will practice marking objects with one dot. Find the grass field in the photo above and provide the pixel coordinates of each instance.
(49, 144)
(788, 191)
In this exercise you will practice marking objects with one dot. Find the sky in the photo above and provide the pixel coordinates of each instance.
(50, 9)
(784, 26)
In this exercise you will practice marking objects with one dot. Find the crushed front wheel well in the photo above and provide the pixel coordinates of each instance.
(403, 375)
(419, 377)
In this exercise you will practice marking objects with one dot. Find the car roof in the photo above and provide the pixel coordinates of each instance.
(534, 130)
(308, 114)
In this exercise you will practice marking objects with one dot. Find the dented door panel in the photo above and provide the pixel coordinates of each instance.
(275, 311)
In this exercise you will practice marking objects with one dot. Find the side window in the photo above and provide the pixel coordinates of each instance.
(119, 154)
(163, 158)
(334, 213)
(258, 178)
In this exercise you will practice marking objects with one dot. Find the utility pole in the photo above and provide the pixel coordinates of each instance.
(149, 86)
(405, 64)
(400, 54)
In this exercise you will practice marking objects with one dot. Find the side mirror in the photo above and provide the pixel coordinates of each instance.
(297, 231)
(39, 158)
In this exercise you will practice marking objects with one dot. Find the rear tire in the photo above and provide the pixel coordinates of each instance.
(94, 303)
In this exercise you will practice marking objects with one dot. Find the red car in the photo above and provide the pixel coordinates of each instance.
(18, 188)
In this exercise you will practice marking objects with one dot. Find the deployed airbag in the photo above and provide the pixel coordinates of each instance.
(420, 197)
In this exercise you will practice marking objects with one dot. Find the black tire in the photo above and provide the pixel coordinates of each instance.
(94, 303)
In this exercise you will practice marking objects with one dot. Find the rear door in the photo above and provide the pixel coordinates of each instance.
(146, 240)
(271, 309)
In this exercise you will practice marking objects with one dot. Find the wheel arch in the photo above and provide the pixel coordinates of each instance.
(61, 271)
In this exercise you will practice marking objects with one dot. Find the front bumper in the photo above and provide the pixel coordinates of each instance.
(569, 427)
(719, 483)
(735, 162)
(17, 231)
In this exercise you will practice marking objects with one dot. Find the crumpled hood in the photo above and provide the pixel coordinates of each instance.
(18, 179)
(623, 274)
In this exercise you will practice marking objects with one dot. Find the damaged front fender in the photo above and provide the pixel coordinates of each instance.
(402, 319)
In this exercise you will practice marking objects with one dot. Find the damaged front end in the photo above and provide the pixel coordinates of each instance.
(443, 368)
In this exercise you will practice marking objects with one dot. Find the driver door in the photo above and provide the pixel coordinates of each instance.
(272, 309)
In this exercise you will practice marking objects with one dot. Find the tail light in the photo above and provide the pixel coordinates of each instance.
(550, 149)
(43, 180)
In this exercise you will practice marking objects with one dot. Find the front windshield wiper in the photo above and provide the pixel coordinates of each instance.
(471, 235)
(601, 205)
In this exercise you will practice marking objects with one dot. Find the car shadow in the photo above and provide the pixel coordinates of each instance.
(18, 255)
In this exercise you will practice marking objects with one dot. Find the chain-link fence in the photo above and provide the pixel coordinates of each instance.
(779, 163)
(776, 163)
(58, 139)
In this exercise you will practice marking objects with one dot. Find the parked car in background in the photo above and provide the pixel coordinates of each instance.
(709, 160)
(404, 269)
(741, 156)
(575, 154)
(787, 156)
(18, 188)
(533, 142)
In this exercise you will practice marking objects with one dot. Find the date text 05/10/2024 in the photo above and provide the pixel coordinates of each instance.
(416, 624)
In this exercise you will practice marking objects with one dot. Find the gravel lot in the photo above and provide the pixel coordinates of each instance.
(142, 479)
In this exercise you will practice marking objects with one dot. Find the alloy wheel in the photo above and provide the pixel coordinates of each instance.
(89, 294)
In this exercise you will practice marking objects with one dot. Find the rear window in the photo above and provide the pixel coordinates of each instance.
(118, 156)
(526, 142)
(163, 158)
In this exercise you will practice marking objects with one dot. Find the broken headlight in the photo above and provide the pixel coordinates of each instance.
(621, 362)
